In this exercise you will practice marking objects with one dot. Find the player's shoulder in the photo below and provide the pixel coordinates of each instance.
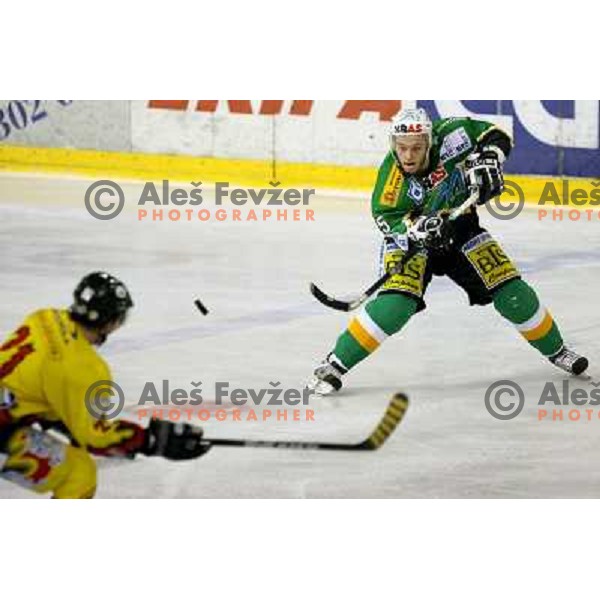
(389, 180)
(87, 356)
(47, 320)
(39, 313)
(62, 338)
(52, 317)
(444, 127)
(388, 161)
(86, 366)
(453, 138)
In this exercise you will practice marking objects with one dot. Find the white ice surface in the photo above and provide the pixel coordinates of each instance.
(264, 326)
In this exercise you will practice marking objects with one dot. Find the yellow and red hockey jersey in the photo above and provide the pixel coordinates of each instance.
(46, 368)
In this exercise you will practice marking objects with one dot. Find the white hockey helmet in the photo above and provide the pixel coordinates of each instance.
(411, 121)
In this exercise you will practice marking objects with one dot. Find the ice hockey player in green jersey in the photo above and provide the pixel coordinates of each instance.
(431, 168)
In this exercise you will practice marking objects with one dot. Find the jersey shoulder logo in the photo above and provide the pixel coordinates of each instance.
(391, 188)
(455, 143)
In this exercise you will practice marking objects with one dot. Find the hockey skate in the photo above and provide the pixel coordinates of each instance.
(570, 361)
(327, 377)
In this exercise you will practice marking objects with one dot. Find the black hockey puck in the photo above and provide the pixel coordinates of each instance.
(201, 307)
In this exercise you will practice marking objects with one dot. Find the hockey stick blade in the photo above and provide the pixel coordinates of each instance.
(350, 305)
(331, 302)
(394, 413)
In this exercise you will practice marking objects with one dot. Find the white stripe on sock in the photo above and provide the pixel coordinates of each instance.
(367, 322)
(535, 321)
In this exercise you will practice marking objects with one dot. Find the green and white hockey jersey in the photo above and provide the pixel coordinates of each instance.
(398, 195)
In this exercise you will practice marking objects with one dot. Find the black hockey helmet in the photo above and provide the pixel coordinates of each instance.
(99, 299)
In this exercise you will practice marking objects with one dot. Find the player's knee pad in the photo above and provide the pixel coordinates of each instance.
(516, 301)
(413, 279)
(380, 318)
(391, 311)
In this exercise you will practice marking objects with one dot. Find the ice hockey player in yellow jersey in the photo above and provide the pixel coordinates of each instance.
(46, 367)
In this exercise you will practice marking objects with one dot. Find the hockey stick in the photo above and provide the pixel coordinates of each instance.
(390, 420)
(350, 305)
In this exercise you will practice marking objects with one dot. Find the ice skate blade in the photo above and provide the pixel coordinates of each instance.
(320, 388)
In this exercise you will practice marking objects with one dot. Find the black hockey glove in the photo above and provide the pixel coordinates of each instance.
(175, 441)
(483, 170)
(433, 232)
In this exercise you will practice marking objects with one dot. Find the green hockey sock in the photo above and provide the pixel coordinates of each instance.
(518, 302)
(385, 315)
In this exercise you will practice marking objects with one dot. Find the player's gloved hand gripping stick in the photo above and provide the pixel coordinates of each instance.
(352, 304)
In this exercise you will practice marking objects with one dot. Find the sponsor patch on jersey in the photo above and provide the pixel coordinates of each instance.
(455, 143)
(449, 192)
(435, 178)
(391, 189)
(416, 192)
